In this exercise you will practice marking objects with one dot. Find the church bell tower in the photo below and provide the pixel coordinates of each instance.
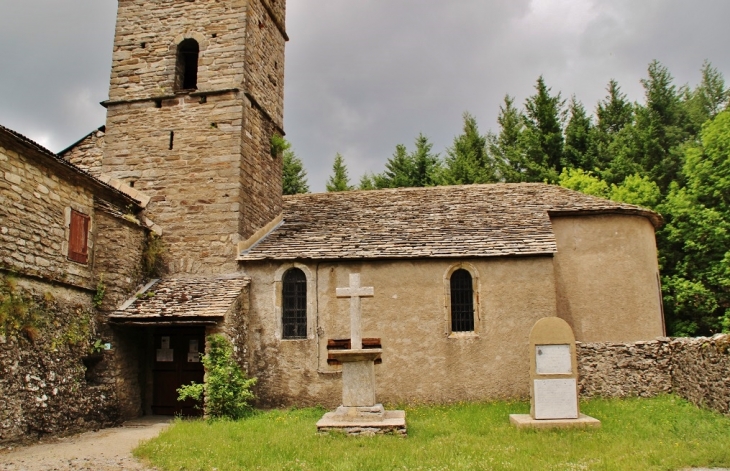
(195, 96)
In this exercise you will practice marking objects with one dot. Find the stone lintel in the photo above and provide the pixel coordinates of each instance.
(526, 421)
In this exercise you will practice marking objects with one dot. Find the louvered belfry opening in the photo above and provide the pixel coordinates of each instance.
(462, 302)
(187, 65)
(294, 299)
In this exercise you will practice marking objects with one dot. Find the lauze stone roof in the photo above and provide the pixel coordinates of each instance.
(449, 221)
(180, 299)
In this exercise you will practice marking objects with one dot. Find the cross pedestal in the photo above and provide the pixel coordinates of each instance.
(360, 414)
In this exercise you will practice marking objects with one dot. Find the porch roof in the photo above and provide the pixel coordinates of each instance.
(182, 300)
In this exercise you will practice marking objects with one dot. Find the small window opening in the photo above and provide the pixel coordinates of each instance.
(187, 65)
(131, 183)
(203, 99)
(158, 103)
(143, 45)
(172, 139)
(214, 35)
(294, 306)
(462, 302)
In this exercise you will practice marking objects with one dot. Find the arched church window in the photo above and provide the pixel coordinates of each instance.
(294, 304)
(462, 301)
(187, 65)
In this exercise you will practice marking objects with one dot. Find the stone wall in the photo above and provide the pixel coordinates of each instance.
(701, 371)
(45, 388)
(203, 156)
(87, 153)
(697, 369)
(35, 195)
(120, 243)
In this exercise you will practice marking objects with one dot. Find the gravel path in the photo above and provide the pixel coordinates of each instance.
(105, 450)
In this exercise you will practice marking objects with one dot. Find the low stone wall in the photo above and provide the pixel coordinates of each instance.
(697, 369)
(45, 388)
(701, 372)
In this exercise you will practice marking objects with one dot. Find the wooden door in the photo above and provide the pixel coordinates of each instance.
(176, 362)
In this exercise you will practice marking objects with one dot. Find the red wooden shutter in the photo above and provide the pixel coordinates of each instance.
(78, 237)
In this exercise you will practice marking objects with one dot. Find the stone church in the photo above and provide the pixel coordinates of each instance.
(460, 274)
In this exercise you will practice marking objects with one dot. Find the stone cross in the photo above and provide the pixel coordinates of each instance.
(355, 292)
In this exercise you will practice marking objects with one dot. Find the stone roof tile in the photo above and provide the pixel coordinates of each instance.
(183, 298)
(448, 221)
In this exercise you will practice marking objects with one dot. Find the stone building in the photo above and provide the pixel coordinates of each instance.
(460, 273)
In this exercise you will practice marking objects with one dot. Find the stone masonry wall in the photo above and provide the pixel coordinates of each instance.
(265, 62)
(202, 156)
(45, 388)
(87, 153)
(146, 39)
(194, 187)
(34, 198)
(120, 243)
(697, 369)
(701, 371)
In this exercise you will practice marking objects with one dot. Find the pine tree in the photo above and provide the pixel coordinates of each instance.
(294, 177)
(339, 180)
(543, 140)
(468, 159)
(398, 172)
(708, 99)
(611, 137)
(505, 146)
(578, 133)
(417, 169)
(662, 125)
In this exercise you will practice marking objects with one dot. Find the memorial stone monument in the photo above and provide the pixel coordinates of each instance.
(360, 414)
(553, 379)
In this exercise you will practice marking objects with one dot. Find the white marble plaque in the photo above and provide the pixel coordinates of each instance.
(556, 399)
(553, 360)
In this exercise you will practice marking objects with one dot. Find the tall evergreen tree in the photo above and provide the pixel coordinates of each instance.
(468, 159)
(416, 169)
(708, 99)
(612, 140)
(662, 126)
(543, 140)
(339, 180)
(294, 177)
(578, 133)
(614, 112)
(505, 146)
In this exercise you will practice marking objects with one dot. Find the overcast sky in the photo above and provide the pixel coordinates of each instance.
(365, 75)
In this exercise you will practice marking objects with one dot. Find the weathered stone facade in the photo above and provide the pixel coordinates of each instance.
(51, 383)
(88, 152)
(697, 369)
(45, 388)
(34, 200)
(204, 155)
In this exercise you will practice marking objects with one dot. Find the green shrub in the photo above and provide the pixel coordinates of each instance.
(226, 391)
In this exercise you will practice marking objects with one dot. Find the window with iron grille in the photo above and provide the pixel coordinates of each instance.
(294, 304)
(462, 302)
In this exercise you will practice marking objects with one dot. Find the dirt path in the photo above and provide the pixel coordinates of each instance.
(105, 450)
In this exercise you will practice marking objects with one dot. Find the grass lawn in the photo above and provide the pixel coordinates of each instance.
(664, 433)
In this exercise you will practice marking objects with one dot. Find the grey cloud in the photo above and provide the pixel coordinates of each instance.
(365, 75)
